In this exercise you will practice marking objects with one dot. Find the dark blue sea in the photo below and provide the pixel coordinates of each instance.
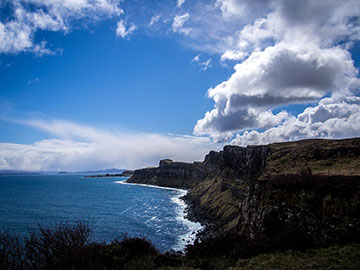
(112, 208)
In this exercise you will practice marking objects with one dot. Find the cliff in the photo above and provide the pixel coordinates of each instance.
(290, 194)
(170, 174)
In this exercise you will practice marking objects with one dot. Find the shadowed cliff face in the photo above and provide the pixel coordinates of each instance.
(289, 210)
(236, 162)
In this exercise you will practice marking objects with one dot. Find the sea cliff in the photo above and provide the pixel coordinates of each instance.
(294, 194)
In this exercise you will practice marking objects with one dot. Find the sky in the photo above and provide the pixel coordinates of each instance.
(94, 84)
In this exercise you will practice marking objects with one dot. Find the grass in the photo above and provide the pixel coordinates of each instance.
(336, 257)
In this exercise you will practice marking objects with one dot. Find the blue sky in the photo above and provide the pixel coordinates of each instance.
(143, 84)
(106, 83)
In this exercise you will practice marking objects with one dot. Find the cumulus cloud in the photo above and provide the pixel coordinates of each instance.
(77, 147)
(178, 24)
(277, 76)
(18, 29)
(233, 55)
(122, 31)
(335, 117)
(290, 52)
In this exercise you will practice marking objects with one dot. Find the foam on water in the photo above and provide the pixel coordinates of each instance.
(193, 227)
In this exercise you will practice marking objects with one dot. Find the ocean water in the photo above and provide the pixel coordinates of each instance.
(112, 208)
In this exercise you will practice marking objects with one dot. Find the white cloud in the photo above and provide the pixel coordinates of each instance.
(233, 55)
(17, 32)
(179, 3)
(335, 117)
(196, 58)
(154, 19)
(122, 31)
(290, 52)
(244, 8)
(79, 147)
(205, 65)
(277, 76)
(178, 24)
(34, 80)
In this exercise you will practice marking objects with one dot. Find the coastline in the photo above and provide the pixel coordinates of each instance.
(194, 227)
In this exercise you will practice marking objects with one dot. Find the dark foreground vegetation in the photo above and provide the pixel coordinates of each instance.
(69, 246)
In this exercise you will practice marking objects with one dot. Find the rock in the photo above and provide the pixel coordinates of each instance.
(165, 161)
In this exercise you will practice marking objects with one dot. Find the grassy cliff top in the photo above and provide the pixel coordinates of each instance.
(323, 157)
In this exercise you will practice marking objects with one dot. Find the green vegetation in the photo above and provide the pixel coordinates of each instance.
(323, 157)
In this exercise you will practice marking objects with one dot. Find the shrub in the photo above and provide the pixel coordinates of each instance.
(62, 246)
(11, 252)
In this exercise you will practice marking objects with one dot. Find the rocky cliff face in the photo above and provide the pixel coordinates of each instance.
(233, 162)
(236, 162)
(289, 211)
(171, 174)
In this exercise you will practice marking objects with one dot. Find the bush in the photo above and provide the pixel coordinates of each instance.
(60, 247)
(11, 252)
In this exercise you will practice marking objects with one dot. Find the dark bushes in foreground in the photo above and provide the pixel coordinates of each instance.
(63, 246)
(11, 252)
(67, 246)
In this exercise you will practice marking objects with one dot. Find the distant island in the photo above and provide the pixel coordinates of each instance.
(96, 172)
(125, 173)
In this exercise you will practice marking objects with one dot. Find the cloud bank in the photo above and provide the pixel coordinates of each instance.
(288, 52)
(335, 117)
(75, 147)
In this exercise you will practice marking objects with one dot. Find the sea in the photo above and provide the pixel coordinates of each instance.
(113, 208)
